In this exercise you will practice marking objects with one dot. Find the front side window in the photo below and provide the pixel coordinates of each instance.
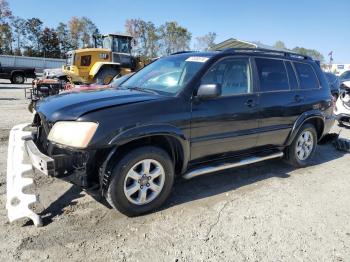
(232, 74)
(306, 75)
(85, 60)
(272, 75)
(167, 75)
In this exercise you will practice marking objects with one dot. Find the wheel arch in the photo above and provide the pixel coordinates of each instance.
(98, 66)
(17, 72)
(315, 118)
(167, 137)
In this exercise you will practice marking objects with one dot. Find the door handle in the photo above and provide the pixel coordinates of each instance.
(298, 98)
(250, 103)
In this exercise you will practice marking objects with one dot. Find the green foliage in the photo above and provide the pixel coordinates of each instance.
(309, 52)
(173, 38)
(280, 45)
(50, 43)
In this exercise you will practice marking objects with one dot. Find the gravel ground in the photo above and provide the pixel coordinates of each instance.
(264, 212)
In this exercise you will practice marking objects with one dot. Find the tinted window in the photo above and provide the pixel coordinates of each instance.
(307, 76)
(272, 74)
(291, 75)
(85, 60)
(232, 74)
(345, 75)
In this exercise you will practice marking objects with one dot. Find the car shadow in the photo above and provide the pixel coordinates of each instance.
(225, 181)
(57, 208)
(204, 186)
(13, 87)
(8, 99)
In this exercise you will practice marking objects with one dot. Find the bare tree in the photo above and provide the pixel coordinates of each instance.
(205, 42)
(145, 37)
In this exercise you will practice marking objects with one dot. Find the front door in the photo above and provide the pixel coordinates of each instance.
(228, 123)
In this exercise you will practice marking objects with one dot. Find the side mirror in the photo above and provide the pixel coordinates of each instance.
(209, 91)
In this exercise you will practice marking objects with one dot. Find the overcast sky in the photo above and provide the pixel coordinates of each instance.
(323, 25)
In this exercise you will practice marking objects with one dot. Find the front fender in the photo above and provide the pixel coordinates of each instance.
(140, 132)
(301, 120)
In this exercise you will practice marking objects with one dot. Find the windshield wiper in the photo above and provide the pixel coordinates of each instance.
(142, 89)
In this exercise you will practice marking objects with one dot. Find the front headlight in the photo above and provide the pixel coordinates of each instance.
(71, 133)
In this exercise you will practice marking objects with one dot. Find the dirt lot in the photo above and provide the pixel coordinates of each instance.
(264, 212)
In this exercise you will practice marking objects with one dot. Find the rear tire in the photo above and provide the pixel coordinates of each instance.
(303, 147)
(17, 79)
(105, 76)
(137, 187)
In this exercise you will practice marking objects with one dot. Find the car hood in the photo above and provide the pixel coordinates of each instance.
(70, 106)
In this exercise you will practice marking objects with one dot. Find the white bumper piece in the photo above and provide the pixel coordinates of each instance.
(17, 204)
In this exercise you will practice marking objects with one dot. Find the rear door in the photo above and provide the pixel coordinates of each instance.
(278, 98)
(227, 123)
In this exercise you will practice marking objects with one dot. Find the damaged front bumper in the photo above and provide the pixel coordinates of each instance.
(24, 156)
(20, 146)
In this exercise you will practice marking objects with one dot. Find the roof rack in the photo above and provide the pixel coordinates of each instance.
(267, 51)
(182, 52)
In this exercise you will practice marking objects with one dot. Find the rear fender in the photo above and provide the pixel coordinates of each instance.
(314, 114)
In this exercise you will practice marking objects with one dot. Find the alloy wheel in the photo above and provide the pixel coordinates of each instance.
(144, 181)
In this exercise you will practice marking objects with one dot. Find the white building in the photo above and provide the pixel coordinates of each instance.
(337, 69)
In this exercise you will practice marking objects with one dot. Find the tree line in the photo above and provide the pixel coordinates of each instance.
(30, 37)
(301, 50)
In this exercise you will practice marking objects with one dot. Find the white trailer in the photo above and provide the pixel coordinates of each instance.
(39, 63)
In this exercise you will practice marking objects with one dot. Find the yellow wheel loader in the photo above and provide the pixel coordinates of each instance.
(101, 65)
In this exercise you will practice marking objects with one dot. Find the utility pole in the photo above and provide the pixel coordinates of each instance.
(330, 60)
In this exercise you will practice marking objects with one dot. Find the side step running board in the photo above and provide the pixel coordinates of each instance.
(219, 167)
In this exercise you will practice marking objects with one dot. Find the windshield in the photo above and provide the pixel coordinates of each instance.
(121, 45)
(117, 81)
(167, 75)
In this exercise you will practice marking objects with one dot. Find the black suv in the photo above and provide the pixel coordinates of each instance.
(187, 114)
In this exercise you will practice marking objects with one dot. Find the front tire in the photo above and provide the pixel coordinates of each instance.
(105, 76)
(303, 147)
(141, 181)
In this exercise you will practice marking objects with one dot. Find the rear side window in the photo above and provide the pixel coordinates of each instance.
(85, 60)
(307, 76)
(272, 75)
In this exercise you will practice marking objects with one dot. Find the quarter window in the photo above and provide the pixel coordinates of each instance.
(307, 76)
(232, 74)
(272, 75)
